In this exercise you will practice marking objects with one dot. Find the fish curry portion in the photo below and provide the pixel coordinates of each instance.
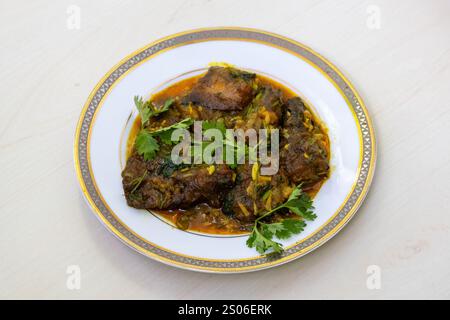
(223, 198)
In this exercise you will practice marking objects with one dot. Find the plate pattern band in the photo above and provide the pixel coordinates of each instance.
(364, 126)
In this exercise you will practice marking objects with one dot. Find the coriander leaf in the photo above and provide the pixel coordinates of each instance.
(298, 207)
(286, 228)
(166, 137)
(298, 202)
(165, 134)
(146, 145)
(144, 109)
(270, 229)
(147, 109)
(263, 233)
(301, 204)
(251, 239)
(294, 226)
(210, 124)
(261, 243)
(166, 105)
(295, 193)
(183, 124)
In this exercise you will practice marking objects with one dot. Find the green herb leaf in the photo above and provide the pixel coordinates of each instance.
(166, 137)
(263, 233)
(165, 134)
(183, 124)
(285, 229)
(147, 109)
(146, 145)
(261, 238)
(210, 124)
(144, 109)
(262, 243)
(301, 204)
(166, 105)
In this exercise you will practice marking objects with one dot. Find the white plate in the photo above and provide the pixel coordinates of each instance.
(106, 118)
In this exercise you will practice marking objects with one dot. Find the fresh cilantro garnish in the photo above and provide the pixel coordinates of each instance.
(166, 137)
(263, 233)
(147, 109)
(261, 237)
(210, 124)
(167, 104)
(143, 108)
(263, 242)
(284, 229)
(165, 134)
(146, 145)
(183, 124)
(301, 204)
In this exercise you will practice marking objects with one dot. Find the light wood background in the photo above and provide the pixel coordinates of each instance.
(402, 71)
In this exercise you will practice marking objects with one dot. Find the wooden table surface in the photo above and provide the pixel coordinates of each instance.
(397, 53)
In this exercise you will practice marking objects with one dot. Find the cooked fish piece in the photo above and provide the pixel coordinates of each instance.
(294, 113)
(303, 159)
(205, 183)
(303, 154)
(158, 185)
(223, 89)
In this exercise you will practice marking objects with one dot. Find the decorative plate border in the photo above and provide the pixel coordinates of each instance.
(329, 229)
